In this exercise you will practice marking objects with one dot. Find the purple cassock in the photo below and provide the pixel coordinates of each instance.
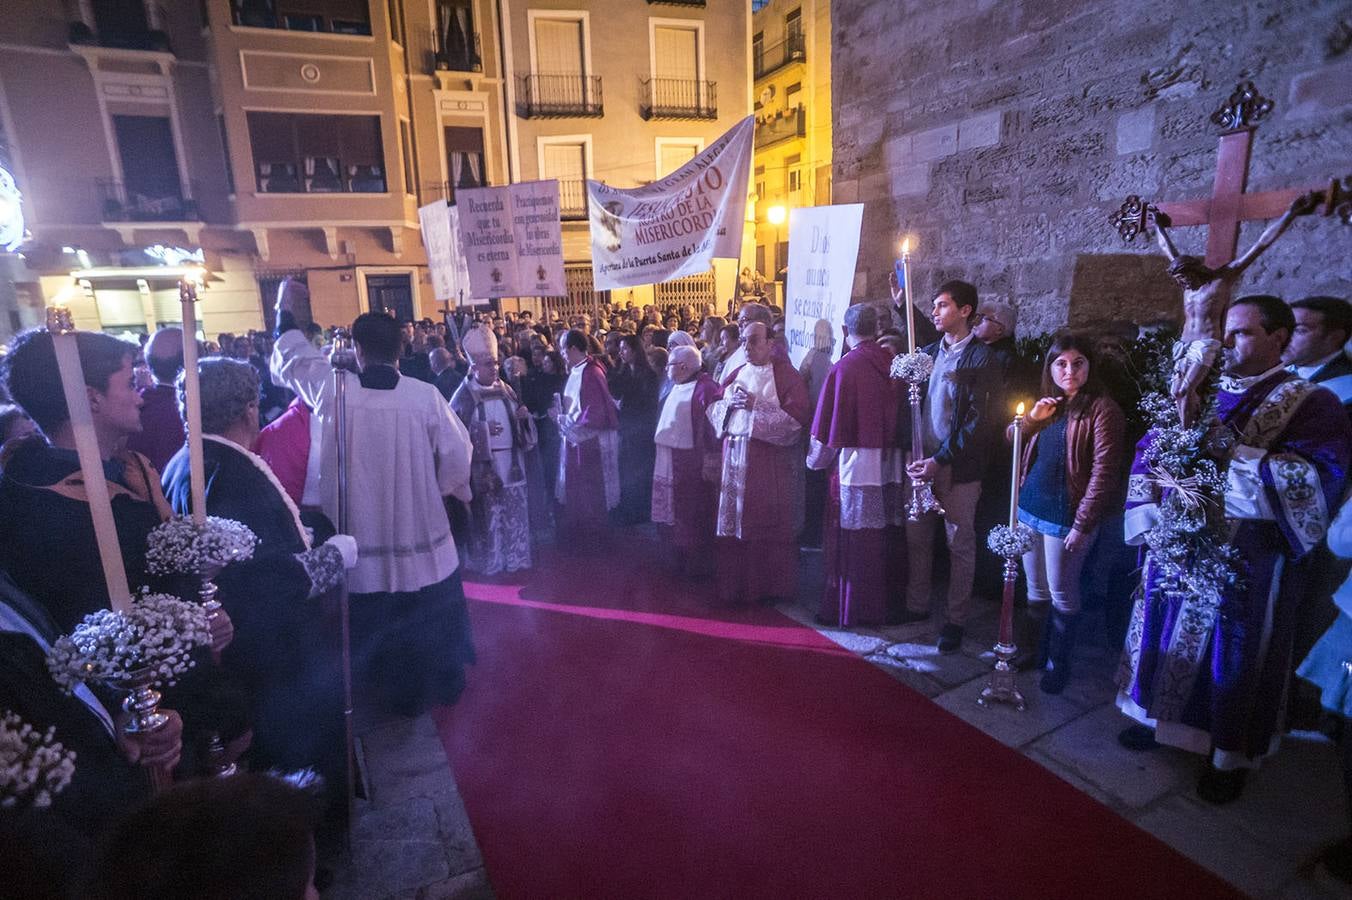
(589, 462)
(162, 430)
(685, 477)
(1212, 679)
(760, 496)
(855, 436)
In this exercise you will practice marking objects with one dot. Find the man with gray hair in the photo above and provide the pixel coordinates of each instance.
(749, 313)
(282, 656)
(685, 476)
(855, 433)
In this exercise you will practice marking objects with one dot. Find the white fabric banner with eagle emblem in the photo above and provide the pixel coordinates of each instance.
(677, 225)
(512, 240)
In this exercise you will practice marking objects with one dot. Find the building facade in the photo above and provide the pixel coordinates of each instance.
(791, 63)
(299, 137)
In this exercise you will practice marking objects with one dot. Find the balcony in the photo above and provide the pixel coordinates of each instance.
(429, 191)
(792, 124)
(321, 175)
(678, 98)
(298, 15)
(120, 203)
(698, 3)
(133, 35)
(558, 96)
(793, 49)
(573, 199)
(432, 52)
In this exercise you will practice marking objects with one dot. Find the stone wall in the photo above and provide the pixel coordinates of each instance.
(1002, 134)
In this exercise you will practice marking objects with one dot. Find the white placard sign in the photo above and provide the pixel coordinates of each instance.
(512, 240)
(823, 250)
(441, 239)
(676, 225)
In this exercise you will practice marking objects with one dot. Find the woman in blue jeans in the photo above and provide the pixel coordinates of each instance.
(1069, 484)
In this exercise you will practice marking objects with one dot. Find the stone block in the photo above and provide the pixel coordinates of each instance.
(980, 131)
(936, 143)
(1204, 834)
(385, 868)
(863, 644)
(1088, 747)
(1136, 130)
(950, 669)
(913, 678)
(468, 886)
(1324, 90)
(897, 152)
(911, 181)
(1043, 712)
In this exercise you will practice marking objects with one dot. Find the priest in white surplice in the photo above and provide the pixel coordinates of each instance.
(405, 451)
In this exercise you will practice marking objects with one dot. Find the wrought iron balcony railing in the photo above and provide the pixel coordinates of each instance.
(770, 59)
(119, 202)
(557, 96)
(790, 125)
(572, 199)
(678, 98)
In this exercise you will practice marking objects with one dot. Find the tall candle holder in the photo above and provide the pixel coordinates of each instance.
(915, 369)
(1010, 543)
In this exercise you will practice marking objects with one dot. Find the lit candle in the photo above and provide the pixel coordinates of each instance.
(91, 461)
(192, 397)
(1014, 482)
(906, 294)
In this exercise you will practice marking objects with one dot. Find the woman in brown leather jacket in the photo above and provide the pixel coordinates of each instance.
(1069, 482)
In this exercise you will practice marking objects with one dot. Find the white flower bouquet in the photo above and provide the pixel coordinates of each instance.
(912, 368)
(156, 635)
(178, 547)
(34, 766)
(1010, 543)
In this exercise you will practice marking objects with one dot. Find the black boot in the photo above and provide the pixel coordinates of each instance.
(1030, 637)
(1061, 629)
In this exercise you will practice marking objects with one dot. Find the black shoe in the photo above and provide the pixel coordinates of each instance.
(1060, 644)
(905, 617)
(950, 638)
(1138, 738)
(1220, 786)
(1053, 681)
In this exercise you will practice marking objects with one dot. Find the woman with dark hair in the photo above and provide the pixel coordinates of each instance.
(1069, 479)
(634, 384)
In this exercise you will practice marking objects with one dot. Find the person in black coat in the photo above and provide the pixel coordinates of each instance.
(634, 386)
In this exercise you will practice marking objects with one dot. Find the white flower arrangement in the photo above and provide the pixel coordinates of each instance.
(34, 766)
(1011, 543)
(178, 547)
(159, 633)
(912, 368)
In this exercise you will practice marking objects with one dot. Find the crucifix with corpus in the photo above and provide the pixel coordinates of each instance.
(1207, 281)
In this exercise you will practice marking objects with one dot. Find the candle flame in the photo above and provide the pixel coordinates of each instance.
(905, 246)
(1019, 411)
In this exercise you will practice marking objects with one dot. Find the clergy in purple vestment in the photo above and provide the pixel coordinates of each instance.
(854, 435)
(162, 430)
(589, 460)
(760, 419)
(1211, 678)
(685, 477)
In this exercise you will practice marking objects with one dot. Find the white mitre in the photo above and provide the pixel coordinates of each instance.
(480, 343)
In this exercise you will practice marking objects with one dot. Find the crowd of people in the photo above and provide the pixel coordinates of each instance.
(474, 443)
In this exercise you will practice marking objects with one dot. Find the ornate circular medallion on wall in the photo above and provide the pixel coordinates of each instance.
(310, 72)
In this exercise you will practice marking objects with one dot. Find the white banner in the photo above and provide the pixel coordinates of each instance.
(823, 250)
(676, 225)
(512, 240)
(441, 239)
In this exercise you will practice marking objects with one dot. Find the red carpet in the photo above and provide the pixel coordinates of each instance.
(618, 740)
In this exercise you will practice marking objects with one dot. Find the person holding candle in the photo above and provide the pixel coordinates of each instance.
(956, 437)
(1072, 450)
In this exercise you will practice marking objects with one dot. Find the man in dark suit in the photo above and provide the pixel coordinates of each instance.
(1323, 327)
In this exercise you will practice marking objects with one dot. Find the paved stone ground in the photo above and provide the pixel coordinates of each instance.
(413, 839)
(1266, 843)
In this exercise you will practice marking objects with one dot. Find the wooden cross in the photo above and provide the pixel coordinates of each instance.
(1229, 205)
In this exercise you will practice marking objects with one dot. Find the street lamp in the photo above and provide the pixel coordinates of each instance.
(776, 214)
